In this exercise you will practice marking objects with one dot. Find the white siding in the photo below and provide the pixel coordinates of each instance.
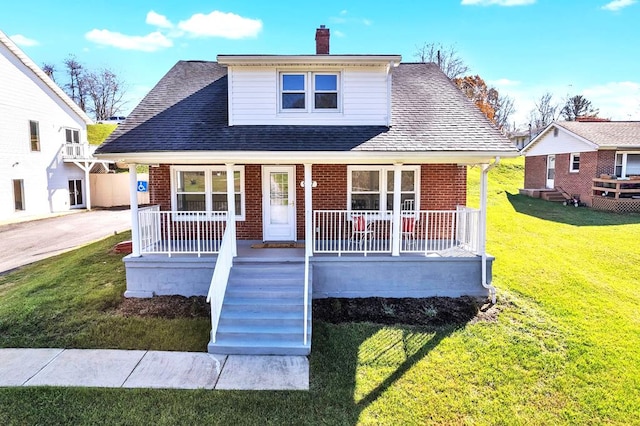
(254, 98)
(563, 143)
(25, 97)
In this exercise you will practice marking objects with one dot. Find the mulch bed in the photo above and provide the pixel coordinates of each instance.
(431, 311)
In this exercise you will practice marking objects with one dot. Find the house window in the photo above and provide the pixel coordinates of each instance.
(325, 88)
(574, 164)
(72, 135)
(34, 132)
(293, 91)
(321, 88)
(204, 189)
(18, 194)
(627, 164)
(372, 188)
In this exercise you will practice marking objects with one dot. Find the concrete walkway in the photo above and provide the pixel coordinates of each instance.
(151, 369)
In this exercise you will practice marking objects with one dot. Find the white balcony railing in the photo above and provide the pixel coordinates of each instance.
(426, 232)
(178, 232)
(78, 151)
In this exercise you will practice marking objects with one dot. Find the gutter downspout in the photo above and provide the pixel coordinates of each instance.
(483, 225)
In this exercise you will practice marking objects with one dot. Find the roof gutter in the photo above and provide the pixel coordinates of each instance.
(483, 224)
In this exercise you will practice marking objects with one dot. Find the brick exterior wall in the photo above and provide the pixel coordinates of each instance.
(442, 187)
(535, 172)
(592, 164)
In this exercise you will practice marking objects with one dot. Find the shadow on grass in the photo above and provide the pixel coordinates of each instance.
(355, 364)
(556, 212)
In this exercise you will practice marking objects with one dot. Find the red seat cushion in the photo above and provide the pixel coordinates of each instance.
(359, 223)
(408, 224)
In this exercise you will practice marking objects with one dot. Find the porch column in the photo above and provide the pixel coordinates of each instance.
(397, 209)
(87, 180)
(231, 206)
(133, 194)
(484, 183)
(308, 211)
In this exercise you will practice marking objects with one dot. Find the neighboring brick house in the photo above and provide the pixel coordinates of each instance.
(360, 157)
(576, 155)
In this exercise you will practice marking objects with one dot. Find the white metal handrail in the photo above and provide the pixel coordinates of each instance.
(426, 231)
(173, 232)
(306, 297)
(218, 286)
(343, 231)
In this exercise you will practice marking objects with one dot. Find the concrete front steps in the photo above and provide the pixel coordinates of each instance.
(263, 311)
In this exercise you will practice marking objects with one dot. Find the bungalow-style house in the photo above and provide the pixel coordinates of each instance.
(45, 155)
(349, 180)
(597, 162)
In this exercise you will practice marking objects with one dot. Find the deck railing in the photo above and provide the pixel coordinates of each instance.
(426, 232)
(220, 277)
(178, 232)
(76, 151)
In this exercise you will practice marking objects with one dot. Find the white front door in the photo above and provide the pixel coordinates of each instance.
(278, 203)
(551, 170)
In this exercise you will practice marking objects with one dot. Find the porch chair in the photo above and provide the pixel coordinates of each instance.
(408, 231)
(362, 232)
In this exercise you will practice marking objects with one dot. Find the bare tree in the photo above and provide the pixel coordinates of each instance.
(106, 92)
(503, 108)
(578, 106)
(76, 86)
(49, 70)
(446, 57)
(544, 112)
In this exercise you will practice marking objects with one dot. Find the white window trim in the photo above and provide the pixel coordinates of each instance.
(383, 184)
(72, 130)
(624, 155)
(309, 92)
(572, 156)
(208, 185)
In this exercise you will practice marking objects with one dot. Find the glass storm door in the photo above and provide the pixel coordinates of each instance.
(551, 171)
(75, 193)
(278, 205)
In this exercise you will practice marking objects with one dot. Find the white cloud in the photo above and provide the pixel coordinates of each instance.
(498, 2)
(616, 100)
(158, 20)
(616, 5)
(338, 33)
(21, 40)
(367, 22)
(148, 43)
(504, 82)
(221, 24)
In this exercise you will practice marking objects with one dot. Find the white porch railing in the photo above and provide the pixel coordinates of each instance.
(426, 232)
(220, 277)
(342, 231)
(78, 151)
(178, 232)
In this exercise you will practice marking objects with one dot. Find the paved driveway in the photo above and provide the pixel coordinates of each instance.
(26, 242)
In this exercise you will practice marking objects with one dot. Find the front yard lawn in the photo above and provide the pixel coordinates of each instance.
(563, 349)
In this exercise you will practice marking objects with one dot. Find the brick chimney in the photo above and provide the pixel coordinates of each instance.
(322, 40)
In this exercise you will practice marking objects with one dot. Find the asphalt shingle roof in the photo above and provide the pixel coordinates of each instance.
(606, 133)
(187, 111)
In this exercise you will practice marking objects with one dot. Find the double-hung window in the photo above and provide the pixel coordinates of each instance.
(574, 162)
(34, 132)
(372, 188)
(309, 91)
(627, 164)
(204, 189)
(72, 135)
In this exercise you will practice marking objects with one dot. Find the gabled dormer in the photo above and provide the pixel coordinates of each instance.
(320, 89)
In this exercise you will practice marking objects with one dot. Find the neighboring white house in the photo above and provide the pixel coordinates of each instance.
(44, 155)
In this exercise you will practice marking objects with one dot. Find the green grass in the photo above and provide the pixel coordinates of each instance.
(98, 133)
(565, 348)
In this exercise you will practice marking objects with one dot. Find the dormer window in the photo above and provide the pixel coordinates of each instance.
(293, 91)
(325, 91)
(309, 92)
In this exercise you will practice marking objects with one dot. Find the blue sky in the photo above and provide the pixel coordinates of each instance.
(523, 47)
